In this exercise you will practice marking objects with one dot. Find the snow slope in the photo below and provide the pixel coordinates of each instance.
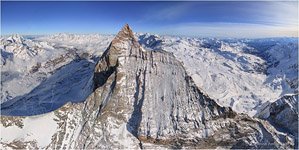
(39, 129)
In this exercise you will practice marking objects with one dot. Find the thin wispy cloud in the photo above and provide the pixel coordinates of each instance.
(234, 30)
(276, 13)
(172, 12)
(241, 19)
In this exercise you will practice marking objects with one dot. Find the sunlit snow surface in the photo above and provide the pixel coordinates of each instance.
(240, 73)
(38, 128)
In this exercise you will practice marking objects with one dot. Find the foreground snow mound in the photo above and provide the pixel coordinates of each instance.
(238, 73)
(142, 99)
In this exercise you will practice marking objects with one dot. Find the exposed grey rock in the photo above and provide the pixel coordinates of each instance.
(145, 99)
(283, 115)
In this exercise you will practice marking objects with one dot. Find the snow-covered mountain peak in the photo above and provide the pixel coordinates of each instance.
(23, 48)
(124, 38)
(16, 38)
(150, 41)
(19, 47)
(126, 30)
(124, 44)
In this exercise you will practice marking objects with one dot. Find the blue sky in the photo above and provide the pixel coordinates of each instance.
(206, 19)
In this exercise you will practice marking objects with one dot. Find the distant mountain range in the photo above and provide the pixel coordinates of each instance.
(101, 91)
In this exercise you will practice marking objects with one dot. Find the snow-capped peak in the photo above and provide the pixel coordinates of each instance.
(125, 35)
(123, 40)
(16, 38)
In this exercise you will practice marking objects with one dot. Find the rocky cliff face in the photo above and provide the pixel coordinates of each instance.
(143, 99)
(283, 115)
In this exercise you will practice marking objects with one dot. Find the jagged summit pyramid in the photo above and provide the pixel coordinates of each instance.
(124, 37)
(124, 43)
(145, 99)
(125, 34)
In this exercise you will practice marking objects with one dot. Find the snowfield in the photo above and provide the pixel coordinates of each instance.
(244, 74)
(38, 128)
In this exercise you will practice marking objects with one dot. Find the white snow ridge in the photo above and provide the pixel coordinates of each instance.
(143, 91)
